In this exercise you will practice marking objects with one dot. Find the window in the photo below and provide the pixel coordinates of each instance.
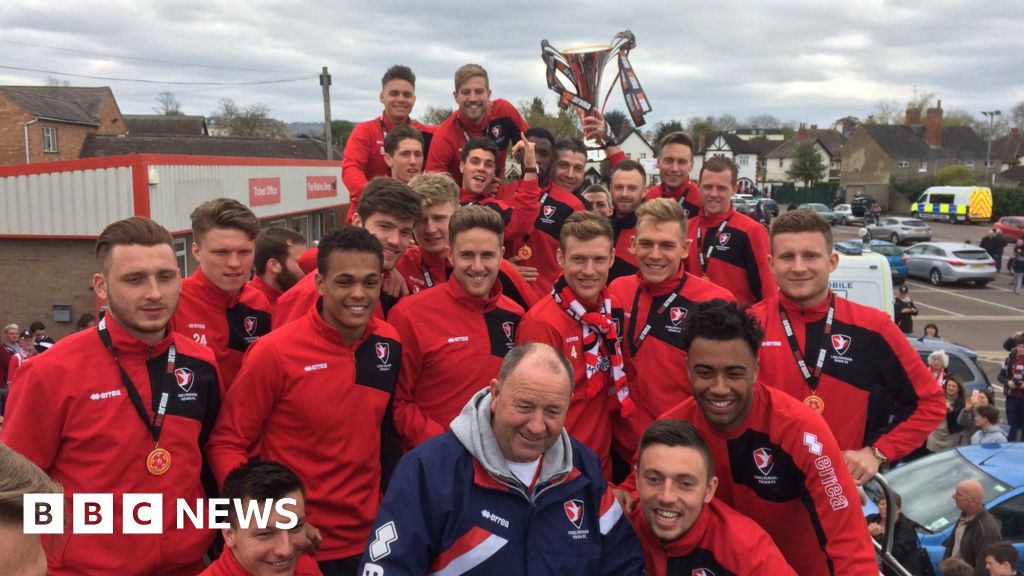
(643, 155)
(744, 160)
(49, 139)
(180, 251)
(923, 166)
(1011, 514)
(781, 160)
(904, 164)
(969, 163)
(990, 163)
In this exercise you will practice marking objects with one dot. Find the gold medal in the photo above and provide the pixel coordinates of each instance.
(524, 253)
(158, 462)
(814, 402)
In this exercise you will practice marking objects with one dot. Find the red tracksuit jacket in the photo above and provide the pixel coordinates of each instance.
(226, 565)
(269, 291)
(687, 195)
(518, 213)
(589, 419)
(722, 541)
(318, 406)
(453, 345)
(502, 124)
(869, 365)
(661, 376)
(225, 324)
(556, 204)
(363, 158)
(739, 257)
(783, 469)
(416, 266)
(70, 414)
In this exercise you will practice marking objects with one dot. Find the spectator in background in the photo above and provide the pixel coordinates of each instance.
(947, 435)
(1001, 559)
(977, 398)
(42, 340)
(931, 331)
(938, 362)
(985, 419)
(21, 554)
(955, 567)
(1017, 265)
(975, 529)
(905, 310)
(905, 546)
(599, 199)
(8, 348)
(86, 320)
(994, 243)
(1012, 378)
(26, 349)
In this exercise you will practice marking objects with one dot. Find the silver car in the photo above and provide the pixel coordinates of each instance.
(820, 209)
(898, 229)
(940, 262)
(845, 216)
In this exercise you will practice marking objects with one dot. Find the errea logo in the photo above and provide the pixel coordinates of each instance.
(104, 395)
(315, 367)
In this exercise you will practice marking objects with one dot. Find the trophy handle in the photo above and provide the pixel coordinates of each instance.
(555, 61)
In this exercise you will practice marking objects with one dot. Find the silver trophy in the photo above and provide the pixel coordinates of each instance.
(583, 66)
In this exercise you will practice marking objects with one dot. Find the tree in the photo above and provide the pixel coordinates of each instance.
(725, 122)
(661, 129)
(618, 122)
(885, 112)
(955, 175)
(807, 165)
(764, 121)
(434, 115)
(1016, 115)
(168, 105)
(340, 131)
(958, 117)
(252, 121)
(57, 82)
(563, 124)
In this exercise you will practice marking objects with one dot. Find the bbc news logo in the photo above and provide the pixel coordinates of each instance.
(143, 513)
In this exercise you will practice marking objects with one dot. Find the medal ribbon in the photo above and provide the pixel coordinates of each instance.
(157, 425)
(809, 377)
(634, 345)
(705, 254)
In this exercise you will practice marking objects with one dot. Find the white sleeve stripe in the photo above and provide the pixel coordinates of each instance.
(473, 557)
(610, 517)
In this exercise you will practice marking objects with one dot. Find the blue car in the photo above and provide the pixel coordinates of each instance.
(927, 487)
(892, 253)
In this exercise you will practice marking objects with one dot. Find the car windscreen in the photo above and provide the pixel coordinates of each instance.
(971, 255)
(927, 487)
(914, 223)
(887, 250)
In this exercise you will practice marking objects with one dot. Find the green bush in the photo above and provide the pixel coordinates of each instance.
(912, 188)
(1007, 201)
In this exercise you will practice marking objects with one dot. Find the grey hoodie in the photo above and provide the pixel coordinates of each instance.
(472, 427)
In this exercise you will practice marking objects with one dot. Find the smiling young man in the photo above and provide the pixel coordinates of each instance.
(284, 392)
(477, 115)
(727, 247)
(518, 214)
(675, 160)
(403, 152)
(269, 550)
(125, 407)
(582, 319)
(455, 336)
(850, 356)
(776, 460)
(365, 154)
(657, 299)
(627, 190)
(682, 527)
(570, 164)
(219, 309)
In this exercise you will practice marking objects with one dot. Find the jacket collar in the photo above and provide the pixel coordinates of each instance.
(466, 299)
(330, 334)
(709, 221)
(212, 292)
(809, 313)
(665, 287)
(125, 343)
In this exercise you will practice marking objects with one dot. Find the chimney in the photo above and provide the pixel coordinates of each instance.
(933, 126)
(1015, 132)
(801, 133)
(913, 117)
(814, 127)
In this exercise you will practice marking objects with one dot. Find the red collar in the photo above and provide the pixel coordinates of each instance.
(127, 344)
(212, 292)
(484, 304)
(388, 125)
(677, 193)
(707, 220)
(806, 314)
(665, 287)
(328, 331)
(467, 197)
(474, 127)
(261, 285)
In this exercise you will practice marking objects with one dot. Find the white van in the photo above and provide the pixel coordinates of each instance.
(954, 204)
(864, 278)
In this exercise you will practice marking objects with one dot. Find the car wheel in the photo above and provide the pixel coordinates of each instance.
(915, 215)
(981, 283)
(895, 239)
(935, 277)
(842, 221)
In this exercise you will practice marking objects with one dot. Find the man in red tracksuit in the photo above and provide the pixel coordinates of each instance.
(627, 190)
(584, 321)
(218, 308)
(657, 299)
(478, 158)
(727, 247)
(123, 408)
(776, 460)
(320, 407)
(389, 210)
(456, 335)
(426, 264)
(683, 528)
(535, 249)
(477, 115)
(364, 151)
(276, 264)
(856, 364)
(675, 160)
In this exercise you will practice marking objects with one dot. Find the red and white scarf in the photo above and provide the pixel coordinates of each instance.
(598, 329)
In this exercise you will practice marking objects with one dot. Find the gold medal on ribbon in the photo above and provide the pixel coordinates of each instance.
(158, 462)
(814, 402)
(524, 252)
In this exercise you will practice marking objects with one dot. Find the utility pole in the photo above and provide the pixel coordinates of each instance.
(988, 155)
(325, 81)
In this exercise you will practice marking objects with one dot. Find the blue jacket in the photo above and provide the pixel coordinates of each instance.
(444, 513)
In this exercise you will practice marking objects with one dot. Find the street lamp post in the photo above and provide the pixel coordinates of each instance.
(988, 155)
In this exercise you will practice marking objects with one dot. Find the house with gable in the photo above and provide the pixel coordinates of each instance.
(828, 144)
(743, 152)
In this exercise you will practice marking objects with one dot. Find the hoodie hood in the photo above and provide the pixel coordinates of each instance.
(472, 428)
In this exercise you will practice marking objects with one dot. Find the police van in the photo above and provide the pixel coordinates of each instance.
(954, 204)
(864, 277)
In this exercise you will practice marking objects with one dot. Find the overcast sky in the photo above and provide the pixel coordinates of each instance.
(807, 61)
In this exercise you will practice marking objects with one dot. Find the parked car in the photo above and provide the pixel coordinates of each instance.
(860, 205)
(940, 262)
(1012, 227)
(963, 362)
(748, 197)
(742, 206)
(845, 216)
(892, 253)
(825, 212)
(927, 486)
(769, 204)
(897, 229)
